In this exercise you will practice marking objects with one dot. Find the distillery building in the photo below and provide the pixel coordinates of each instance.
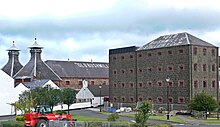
(168, 70)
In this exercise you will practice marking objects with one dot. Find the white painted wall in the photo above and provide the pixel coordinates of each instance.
(8, 94)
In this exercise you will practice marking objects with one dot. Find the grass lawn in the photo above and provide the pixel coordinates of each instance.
(164, 118)
(86, 118)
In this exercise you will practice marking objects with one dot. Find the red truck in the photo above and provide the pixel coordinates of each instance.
(43, 115)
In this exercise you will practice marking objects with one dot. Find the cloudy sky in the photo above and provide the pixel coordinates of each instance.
(82, 30)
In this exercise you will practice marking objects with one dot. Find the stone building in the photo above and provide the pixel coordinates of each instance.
(74, 72)
(167, 70)
(63, 73)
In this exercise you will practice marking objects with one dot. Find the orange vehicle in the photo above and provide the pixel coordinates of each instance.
(43, 116)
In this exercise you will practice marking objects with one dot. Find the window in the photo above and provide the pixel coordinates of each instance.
(131, 84)
(159, 100)
(204, 67)
(149, 99)
(213, 83)
(170, 52)
(114, 58)
(181, 100)
(123, 85)
(131, 56)
(204, 84)
(67, 82)
(131, 70)
(131, 99)
(115, 85)
(115, 72)
(122, 57)
(80, 83)
(170, 68)
(123, 99)
(195, 67)
(140, 99)
(149, 84)
(195, 84)
(195, 51)
(149, 54)
(122, 71)
(159, 53)
(92, 82)
(180, 51)
(213, 52)
(181, 67)
(204, 51)
(140, 70)
(213, 67)
(181, 83)
(170, 83)
(140, 84)
(170, 99)
(149, 69)
(159, 83)
(159, 69)
(139, 55)
(115, 99)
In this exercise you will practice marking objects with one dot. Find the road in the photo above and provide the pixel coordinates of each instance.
(97, 114)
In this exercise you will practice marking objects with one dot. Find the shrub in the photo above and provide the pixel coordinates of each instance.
(12, 123)
(60, 112)
(113, 117)
(20, 118)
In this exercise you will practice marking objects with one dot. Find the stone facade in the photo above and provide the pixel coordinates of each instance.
(138, 74)
(76, 83)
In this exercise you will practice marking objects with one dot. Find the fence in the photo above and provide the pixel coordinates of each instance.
(88, 124)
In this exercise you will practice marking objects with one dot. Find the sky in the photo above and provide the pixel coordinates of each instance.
(85, 30)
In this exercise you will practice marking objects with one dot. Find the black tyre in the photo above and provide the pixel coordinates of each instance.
(64, 123)
(42, 123)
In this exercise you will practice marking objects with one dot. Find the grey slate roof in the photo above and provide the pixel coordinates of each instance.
(35, 83)
(79, 69)
(175, 40)
(36, 67)
(96, 90)
(13, 65)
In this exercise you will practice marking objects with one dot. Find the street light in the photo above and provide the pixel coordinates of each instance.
(168, 108)
(100, 93)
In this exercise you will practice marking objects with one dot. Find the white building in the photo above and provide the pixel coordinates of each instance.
(8, 94)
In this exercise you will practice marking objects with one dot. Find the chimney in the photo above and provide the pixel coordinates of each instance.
(13, 65)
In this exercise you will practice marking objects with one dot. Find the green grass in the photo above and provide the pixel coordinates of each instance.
(164, 118)
(86, 118)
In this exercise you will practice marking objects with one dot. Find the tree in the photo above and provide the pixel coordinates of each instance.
(203, 102)
(68, 96)
(47, 95)
(143, 113)
(25, 102)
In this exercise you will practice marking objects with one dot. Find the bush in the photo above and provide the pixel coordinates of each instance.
(20, 118)
(60, 112)
(12, 123)
(113, 117)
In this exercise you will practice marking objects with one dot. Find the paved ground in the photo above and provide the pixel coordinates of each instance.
(189, 123)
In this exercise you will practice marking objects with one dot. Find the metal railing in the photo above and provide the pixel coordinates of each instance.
(88, 124)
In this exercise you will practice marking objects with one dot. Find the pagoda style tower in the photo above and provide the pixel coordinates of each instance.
(13, 65)
(36, 68)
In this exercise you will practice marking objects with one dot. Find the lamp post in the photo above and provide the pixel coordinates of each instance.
(100, 93)
(168, 108)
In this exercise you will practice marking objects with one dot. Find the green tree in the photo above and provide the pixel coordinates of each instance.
(68, 96)
(47, 95)
(203, 102)
(25, 102)
(143, 114)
